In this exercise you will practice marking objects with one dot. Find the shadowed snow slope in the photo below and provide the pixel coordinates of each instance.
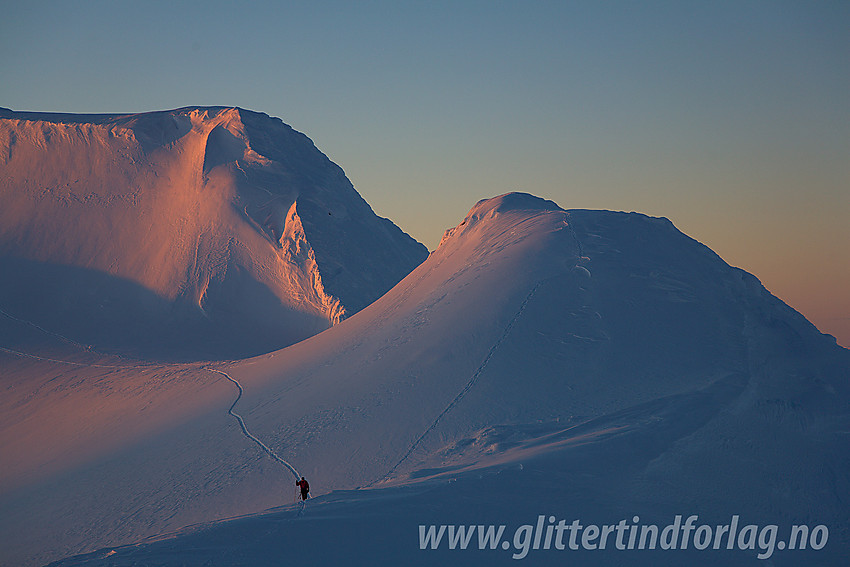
(586, 364)
(193, 232)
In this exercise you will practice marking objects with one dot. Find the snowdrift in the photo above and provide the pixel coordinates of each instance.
(198, 232)
(584, 364)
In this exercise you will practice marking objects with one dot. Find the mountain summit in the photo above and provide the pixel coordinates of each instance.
(595, 364)
(202, 231)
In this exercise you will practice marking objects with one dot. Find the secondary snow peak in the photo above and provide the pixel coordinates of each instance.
(195, 207)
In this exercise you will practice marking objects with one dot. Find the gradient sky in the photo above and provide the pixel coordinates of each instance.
(730, 118)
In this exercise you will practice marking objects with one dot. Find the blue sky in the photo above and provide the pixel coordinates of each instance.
(730, 118)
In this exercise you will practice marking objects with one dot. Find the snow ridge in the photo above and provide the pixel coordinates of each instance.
(574, 235)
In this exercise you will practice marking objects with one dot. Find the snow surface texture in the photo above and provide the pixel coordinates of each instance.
(198, 232)
(585, 364)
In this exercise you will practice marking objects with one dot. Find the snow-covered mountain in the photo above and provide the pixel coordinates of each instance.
(203, 231)
(582, 364)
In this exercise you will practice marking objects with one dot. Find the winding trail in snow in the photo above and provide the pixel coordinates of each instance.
(247, 433)
(238, 417)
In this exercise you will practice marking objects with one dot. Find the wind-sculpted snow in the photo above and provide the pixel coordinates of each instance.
(198, 232)
(584, 364)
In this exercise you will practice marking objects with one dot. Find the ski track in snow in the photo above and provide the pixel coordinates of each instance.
(43, 330)
(85, 364)
(247, 433)
(86, 348)
(483, 364)
(301, 503)
(238, 417)
(468, 385)
(57, 361)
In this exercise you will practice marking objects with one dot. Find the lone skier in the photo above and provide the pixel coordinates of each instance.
(305, 488)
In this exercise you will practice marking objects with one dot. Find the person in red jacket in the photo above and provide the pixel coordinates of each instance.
(305, 487)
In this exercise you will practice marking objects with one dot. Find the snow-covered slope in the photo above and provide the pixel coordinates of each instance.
(202, 231)
(525, 313)
(584, 364)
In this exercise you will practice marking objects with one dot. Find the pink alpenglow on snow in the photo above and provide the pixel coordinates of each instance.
(198, 232)
(541, 362)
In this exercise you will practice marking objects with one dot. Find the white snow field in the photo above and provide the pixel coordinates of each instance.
(194, 233)
(583, 365)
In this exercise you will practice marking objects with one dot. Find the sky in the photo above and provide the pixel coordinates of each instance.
(732, 119)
